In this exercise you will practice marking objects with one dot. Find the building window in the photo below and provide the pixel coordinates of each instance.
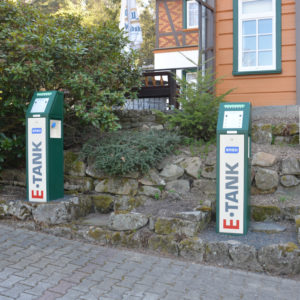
(192, 14)
(133, 15)
(257, 38)
(190, 75)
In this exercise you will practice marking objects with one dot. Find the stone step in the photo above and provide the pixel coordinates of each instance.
(184, 223)
(267, 227)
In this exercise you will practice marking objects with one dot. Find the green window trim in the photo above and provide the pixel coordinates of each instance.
(184, 15)
(278, 68)
(188, 70)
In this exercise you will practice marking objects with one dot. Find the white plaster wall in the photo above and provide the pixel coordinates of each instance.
(175, 59)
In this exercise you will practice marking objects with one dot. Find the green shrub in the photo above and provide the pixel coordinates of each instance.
(198, 115)
(124, 152)
(56, 52)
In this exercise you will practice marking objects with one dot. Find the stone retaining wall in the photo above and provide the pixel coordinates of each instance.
(276, 259)
(270, 124)
(176, 179)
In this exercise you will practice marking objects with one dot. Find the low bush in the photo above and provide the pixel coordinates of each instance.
(199, 105)
(124, 152)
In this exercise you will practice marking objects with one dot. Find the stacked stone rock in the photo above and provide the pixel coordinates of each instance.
(278, 134)
(269, 172)
(122, 196)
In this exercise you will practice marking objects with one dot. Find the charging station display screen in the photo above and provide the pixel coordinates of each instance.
(39, 105)
(233, 119)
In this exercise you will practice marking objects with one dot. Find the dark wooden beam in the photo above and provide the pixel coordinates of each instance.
(157, 24)
(178, 33)
(171, 23)
(206, 5)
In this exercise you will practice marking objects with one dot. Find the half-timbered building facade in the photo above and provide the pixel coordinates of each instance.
(253, 43)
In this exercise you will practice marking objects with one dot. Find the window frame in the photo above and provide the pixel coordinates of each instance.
(185, 15)
(237, 41)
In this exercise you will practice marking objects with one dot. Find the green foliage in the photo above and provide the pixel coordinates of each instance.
(198, 115)
(127, 151)
(147, 20)
(11, 148)
(91, 11)
(43, 52)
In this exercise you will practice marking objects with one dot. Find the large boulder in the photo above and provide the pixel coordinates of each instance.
(192, 248)
(128, 221)
(290, 166)
(103, 203)
(166, 226)
(218, 253)
(206, 186)
(266, 180)
(244, 257)
(163, 244)
(73, 165)
(127, 203)
(209, 172)
(260, 213)
(119, 186)
(263, 159)
(179, 186)
(286, 129)
(93, 172)
(20, 210)
(262, 135)
(54, 213)
(3, 209)
(78, 184)
(280, 259)
(152, 178)
(150, 191)
(289, 180)
(211, 158)
(171, 172)
(192, 166)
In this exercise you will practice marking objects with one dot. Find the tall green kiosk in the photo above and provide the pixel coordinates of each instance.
(233, 168)
(44, 147)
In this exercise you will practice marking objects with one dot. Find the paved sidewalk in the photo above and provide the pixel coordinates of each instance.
(39, 266)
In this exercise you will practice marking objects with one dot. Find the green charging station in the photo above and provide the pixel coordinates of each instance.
(44, 147)
(233, 168)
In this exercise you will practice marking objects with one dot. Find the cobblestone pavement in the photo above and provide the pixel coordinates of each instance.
(39, 266)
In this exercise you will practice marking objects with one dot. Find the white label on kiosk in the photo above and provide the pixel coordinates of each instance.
(233, 119)
(37, 159)
(39, 105)
(231, 180)
(55, 129)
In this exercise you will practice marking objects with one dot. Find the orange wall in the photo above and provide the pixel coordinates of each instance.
(271, 89)
(175, 9)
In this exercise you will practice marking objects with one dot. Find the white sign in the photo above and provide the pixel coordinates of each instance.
(39, 105)
(231, 183)
(55, 129)
(37, 159)
(129, 21)
(233, 119)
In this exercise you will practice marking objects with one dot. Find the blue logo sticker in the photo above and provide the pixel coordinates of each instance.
(36, 130)
(232, 150)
